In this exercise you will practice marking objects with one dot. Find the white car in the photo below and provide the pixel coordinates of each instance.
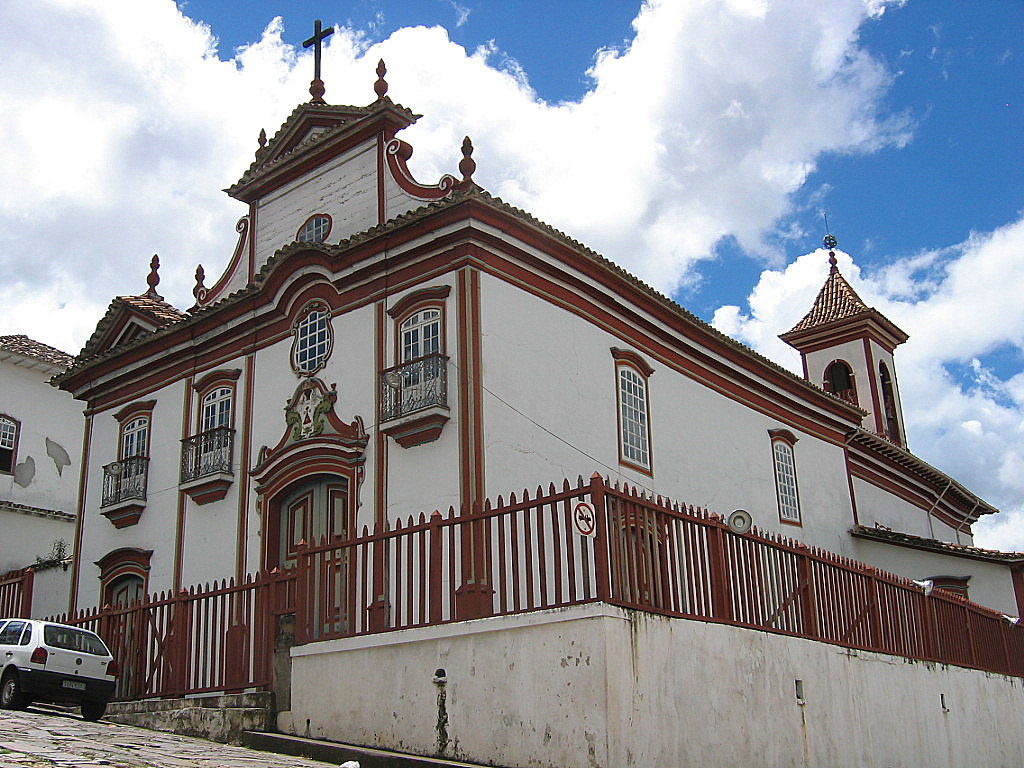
(43, 661)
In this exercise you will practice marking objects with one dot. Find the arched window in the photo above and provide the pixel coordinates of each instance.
(315, 230)
(839, 381)
(784, 459)
(420, 334)
(313, 339)
(8, 443)
(135, 438)
(631, 375)
(217, 408)
(890, 419)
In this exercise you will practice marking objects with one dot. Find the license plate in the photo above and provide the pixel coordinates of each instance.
(74, 685)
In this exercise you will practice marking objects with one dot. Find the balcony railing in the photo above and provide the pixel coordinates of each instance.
(207, 453)
(413, 386)
(125, 479)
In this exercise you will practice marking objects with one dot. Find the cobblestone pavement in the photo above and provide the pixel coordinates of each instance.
(43, 738)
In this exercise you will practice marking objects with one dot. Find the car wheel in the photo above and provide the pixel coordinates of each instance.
(93, 710)
(11, 696)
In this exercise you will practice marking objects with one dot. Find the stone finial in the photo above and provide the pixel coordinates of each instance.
(153, 279)
(317, 91)
(263, 138)
(200, 290)
(467, 165)
(380, 87)
(830, 242)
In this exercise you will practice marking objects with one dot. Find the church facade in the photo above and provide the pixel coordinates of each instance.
(378, 348)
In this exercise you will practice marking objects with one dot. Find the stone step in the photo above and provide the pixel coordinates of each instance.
(221, 718)
(333, 752)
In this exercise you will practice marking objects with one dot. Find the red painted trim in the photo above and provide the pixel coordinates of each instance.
(785, 435)
(849, 480)
(135, 409)
(944, 513)
(432, 295)
(209, 380)
(876, 406)
(83, 487)
(418, 431)
(470, 390)
(17, 440)
(397, 153)
(179, 528)
(381, 199)
(1017, 577)
(327, 234)
(124, 560)
(631, 357)
(380, 442)
(254, 226)
(244, 462)
(365, 128)
(242, 228)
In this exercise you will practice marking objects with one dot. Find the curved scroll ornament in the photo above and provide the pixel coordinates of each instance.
(209, 294)
(398, 153)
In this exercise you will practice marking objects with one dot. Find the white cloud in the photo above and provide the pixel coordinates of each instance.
(120, 132)
(958, 305)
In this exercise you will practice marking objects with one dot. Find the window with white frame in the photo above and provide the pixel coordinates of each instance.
(315, 230)
(135, 438)
(421, 334)
(216, 411)
(786, 489)
(634, 430)
(313, 340)
(8, 443)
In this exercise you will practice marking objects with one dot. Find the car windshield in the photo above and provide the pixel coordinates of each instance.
(71, 639)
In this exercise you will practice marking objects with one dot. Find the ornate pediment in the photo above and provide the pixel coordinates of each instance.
(312, 429)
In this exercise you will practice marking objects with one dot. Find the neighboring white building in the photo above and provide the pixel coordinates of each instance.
(40, 460)
(377, 348)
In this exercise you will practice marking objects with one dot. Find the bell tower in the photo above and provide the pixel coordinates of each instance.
(847, 349)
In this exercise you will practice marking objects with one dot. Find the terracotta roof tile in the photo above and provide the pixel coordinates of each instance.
(836, 301)
(919, 542)
(23, 345)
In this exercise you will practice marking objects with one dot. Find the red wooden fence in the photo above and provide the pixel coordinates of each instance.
(16, 593)
(647, 554)
(527, 554)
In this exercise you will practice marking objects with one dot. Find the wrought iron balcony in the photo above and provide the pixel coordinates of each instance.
(125, 480)
(414, 386)
(207, 453)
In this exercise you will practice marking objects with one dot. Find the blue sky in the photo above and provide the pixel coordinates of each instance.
(695, 142)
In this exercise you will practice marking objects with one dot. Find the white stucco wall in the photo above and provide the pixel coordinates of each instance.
(45, 413)
(345, 189)
(875, 505)
(707, 449)
(596, 687)
(990, 584)
(27, 535)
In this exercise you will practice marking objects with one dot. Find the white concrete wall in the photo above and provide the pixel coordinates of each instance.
(875, 505)
(50, 592)
(45, 413)
(596, 687)
(345, 189)
(26, 536)
(990, 583)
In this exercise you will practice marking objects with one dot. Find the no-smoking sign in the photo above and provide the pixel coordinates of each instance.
(584, 518)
